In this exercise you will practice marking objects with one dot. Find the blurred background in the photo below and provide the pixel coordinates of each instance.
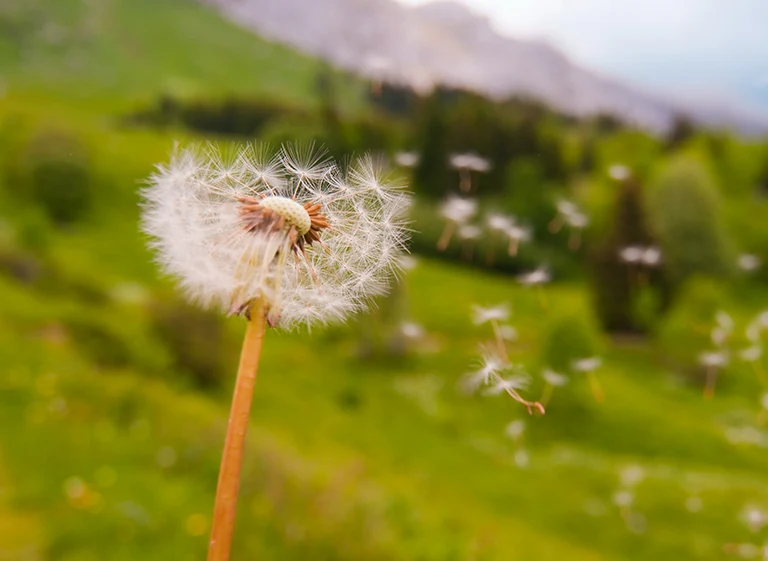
(595, 174)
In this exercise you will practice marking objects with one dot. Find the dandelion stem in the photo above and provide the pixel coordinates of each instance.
(597, 389)
(546, 394)
(232, 458)
(709, 387)
(445, 237)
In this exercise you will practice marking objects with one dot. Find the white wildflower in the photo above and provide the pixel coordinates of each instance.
(311, 242)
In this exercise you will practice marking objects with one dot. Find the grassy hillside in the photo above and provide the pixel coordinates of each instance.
(117, 50)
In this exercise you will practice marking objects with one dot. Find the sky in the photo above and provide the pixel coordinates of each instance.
(709, 48)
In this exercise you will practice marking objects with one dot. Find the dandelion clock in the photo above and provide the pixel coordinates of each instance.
(283, 239)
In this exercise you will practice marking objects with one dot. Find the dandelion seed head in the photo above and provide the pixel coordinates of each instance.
(481, 315)
(554, 378)
(499, 222)
(748, 262)
(310, 240)
(751, 354)
(536, 277)
(619, 172)
(407, 159)
(713, 359)
(518, 233)
(588, 364)
(469, 232)
(577, 220)
(566, 208)
(458, 210)
(651, 257)
(631, 254)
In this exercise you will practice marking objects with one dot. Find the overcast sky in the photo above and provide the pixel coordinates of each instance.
(711, 47)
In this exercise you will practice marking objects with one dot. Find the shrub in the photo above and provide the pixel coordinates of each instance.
(569, 337)
(195, 338)
(684, 212)
(54, 171)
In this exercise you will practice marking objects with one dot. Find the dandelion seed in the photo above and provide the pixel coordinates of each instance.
(631, 475)
(748, 262)
(631, 254)
(456, 212)
(577, 221)
(754, 517)
(499, 222)
(619, 172)
(516, 235)
(481, 315)
(712, 361)
(588, 366)
(465, 164)
(407, 159)
(535, 278)
(651, 257)
(751, 354)
(282, 239)
(552, 380)
(564, 210)
(515, 430)
(411, 330)
(492, 366)
(468, 233)
(508, 332)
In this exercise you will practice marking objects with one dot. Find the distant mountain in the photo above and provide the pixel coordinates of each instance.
(446, 43)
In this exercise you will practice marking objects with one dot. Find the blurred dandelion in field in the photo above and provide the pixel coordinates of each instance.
(694, 504)
(285, 238)
(577, 221)
(588, 366)
(457, 212)
(619, 172)
(515, 431)
(497, 225)
(466, 164)
(569, 214)
(713, 362)
(537, 279)
(516, 235)
(407, 159)
(565, 209)
(754, 517)
(552, 380)
(748, 262)
(468, 234)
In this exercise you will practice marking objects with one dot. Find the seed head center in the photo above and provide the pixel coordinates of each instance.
(293, 213)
